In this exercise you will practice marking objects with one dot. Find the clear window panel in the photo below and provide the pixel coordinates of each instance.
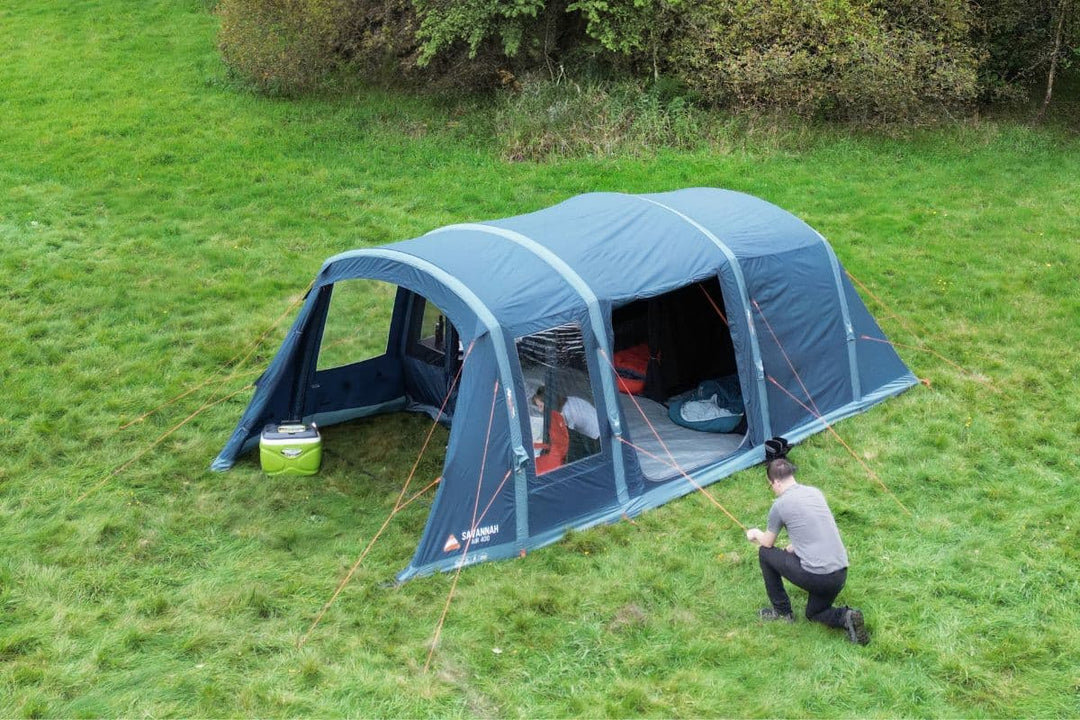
(563, 418)
(358, 322)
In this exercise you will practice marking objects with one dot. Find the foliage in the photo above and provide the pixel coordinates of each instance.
(636, 28)
(380, 44)
(154, 223)
(1018, 37)
(847, 60)
(473, 22)
(861, 61)
(292, 45)
(283, 45)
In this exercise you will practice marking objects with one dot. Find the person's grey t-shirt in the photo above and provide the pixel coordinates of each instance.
(811, 529)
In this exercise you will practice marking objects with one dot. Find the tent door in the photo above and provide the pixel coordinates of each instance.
(432, 355)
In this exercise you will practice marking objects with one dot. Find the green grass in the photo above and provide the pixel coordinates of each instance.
(155, 219)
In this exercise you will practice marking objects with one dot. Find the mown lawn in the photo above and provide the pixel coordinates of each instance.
(156, 219)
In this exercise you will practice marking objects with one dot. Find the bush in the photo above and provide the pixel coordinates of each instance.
(289, 46)
(844, 60)
(860, 61)
(282, 45)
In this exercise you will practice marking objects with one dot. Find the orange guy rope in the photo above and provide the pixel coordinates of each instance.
(345, 580)
(881, 302)
(922, 343)
(398, 504)
(786, 358)
(817, 413)
(431, 430)
(352, 571)
(230, 363)
(693, 482)
(167, 433)
(183, 395)
(457, 572)
(673, 463)
(835, 434)
(468, 540)
(973, 376)
(418, 493)
(714, 305)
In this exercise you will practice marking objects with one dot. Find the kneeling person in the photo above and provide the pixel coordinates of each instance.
(815, 560)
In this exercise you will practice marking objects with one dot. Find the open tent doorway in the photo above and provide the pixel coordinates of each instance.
(680, 391)
(381, 348)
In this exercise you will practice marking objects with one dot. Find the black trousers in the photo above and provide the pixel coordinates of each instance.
(777, 564)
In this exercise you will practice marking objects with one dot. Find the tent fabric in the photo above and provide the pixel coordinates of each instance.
(788, 305)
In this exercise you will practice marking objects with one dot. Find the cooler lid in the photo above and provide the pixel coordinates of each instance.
(289, 431)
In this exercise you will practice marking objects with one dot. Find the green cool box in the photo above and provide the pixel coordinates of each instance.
(292, 449)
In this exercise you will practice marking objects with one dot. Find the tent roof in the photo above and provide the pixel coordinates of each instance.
(614, 246)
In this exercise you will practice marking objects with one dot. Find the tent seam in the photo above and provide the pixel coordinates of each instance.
(853, 359)
(740, 282)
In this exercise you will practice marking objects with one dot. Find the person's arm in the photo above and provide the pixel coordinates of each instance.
(762, 538)
(767, 538)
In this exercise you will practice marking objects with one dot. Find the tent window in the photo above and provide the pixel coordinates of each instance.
(563, 419)
(430, 332)
(357, 323)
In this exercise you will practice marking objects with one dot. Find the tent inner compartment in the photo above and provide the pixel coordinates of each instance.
(689, 342)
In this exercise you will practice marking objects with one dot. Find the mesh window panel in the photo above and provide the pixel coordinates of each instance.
(563, 419)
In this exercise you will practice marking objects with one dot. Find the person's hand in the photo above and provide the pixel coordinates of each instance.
(790, 548)
(752, 534)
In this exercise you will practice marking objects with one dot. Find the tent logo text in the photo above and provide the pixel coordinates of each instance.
(481, 534)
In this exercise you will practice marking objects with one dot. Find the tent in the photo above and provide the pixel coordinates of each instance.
(616, 308)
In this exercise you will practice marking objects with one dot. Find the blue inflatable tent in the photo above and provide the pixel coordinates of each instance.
(553, 341)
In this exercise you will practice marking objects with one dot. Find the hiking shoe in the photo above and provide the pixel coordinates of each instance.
(856, 630)
(771, 614)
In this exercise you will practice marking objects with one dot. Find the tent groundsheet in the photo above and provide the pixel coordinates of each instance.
(660, 443)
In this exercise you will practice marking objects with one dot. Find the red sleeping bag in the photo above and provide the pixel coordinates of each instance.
(553, 455)
(631, 365)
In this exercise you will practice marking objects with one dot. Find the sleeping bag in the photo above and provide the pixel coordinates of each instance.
(714, 406)
(631, 365)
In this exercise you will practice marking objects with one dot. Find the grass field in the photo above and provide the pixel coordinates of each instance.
(156, 219)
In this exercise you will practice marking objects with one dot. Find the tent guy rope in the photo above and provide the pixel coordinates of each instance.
(244, 355)
(873, 475)
(161, 438)
(714, 305)
(671, 462)
(232, 362)
(817, 413)
(967, 373)
(472, 526)
(787, 358)
(682, 472)
(398, 504)
(922, 346)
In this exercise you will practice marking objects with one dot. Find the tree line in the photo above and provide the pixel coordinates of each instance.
(849, 60)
